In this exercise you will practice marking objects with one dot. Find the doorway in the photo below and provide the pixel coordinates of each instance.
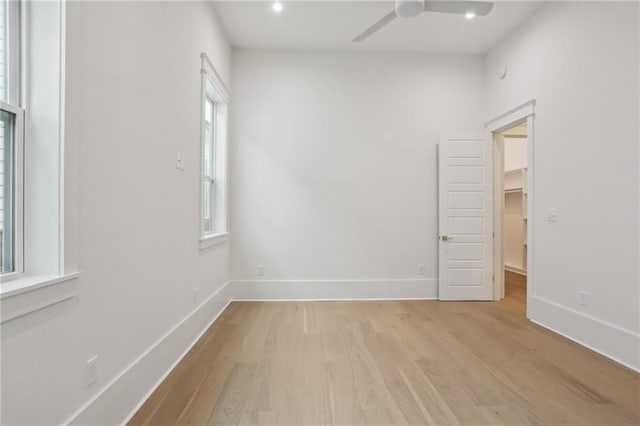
(471, 210)
(512, 137)
(513, 220)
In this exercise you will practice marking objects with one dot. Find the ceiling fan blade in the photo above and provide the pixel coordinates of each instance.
(375, 27)
(480, 8)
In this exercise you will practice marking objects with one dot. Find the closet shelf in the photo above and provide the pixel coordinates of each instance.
(512, 190)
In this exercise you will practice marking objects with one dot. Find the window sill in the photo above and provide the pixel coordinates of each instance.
(24, 295)
(213, 240)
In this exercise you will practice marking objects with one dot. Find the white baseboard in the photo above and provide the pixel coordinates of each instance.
(125, 394)
(616, 343)
(274, 290)
(120, 399)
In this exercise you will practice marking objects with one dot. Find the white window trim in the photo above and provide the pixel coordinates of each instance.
(29, 294)
(209, 74)
(15, 38)
(29, 291)
(18, 207)
(14, 56)
(213, 240)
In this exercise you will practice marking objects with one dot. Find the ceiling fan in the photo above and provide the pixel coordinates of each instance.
(411, 8)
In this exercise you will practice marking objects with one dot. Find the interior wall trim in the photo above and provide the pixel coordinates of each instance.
(609, 340)
(121, 397)
(351, 289)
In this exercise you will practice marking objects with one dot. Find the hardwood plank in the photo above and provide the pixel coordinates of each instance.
(233, 398)
(216, 373)
(157, 399)
(396, 362)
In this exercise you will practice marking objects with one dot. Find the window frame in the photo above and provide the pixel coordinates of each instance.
(214, 91)
(210, 165)
(49, 272)
(15, 57)
(17, 193)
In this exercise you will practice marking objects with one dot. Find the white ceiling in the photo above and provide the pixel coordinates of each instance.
(331, 25)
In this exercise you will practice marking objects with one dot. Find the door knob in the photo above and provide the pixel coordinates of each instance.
(446, 238)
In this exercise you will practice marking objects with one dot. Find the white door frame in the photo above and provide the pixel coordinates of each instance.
(518, 115)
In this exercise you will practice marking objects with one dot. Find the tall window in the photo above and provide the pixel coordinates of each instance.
(209, 167)
(11, 139)
(214, 149)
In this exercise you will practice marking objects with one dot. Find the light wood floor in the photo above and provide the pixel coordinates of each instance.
(515, 288)
(384, 363)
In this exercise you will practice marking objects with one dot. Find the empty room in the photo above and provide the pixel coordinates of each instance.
(308, 212)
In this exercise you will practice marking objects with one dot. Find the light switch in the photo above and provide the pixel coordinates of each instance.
(179, 161)
(552, 215)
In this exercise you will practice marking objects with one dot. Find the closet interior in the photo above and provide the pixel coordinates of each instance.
(515, 205)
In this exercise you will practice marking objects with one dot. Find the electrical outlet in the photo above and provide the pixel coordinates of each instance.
(196, 296)
(583, 299)
(180, 161)
(260, 270)
(90, 371)
(421, 268)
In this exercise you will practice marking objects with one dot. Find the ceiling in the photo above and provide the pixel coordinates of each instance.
(331, 25)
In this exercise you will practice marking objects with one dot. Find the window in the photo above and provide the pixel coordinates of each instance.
(11, 141)
(209, 177)
(214, 155)
(36, 270)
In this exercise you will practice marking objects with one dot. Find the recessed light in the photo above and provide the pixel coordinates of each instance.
(277, 7)
(470, 15)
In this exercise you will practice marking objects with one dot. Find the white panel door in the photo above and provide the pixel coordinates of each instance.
(465, 217)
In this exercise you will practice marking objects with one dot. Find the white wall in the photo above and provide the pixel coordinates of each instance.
(580, 62)
(333, 177)
(334, 160)
(132, 219)
(513, 231)
(515, 153)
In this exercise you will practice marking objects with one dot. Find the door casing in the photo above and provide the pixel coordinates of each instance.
(513, 117)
